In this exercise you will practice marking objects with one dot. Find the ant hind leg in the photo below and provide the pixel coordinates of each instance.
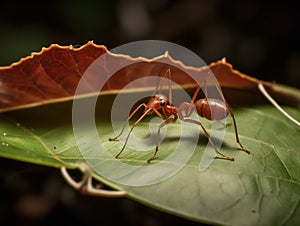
(208, 137)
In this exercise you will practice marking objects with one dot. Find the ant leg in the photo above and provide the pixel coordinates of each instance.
(205, 94)
(157, 136)
(234, 122)
(225, 125)
(236, 132)
(191, 105)
(208, 137)
(188, 108)
(137, 122)
(205, 89)
(130, 116)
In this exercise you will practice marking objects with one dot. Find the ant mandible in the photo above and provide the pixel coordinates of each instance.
(209, 108)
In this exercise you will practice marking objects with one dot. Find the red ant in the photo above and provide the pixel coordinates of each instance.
(209, 108)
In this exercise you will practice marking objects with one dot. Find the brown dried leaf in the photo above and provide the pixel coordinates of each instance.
(53, 74)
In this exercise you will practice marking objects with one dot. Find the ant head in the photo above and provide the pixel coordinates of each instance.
(158, 101)
(161, 99)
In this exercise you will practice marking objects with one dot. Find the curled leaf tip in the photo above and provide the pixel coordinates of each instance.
(166, 55)
(223, 60)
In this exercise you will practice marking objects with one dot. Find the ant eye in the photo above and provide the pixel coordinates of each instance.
(162, 103)
(153, 96)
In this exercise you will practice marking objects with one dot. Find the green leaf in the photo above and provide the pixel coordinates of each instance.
(258, 189)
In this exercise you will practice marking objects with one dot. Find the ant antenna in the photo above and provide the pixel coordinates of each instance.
(159, 84)
(168, 72)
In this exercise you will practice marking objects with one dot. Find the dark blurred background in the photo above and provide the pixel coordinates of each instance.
(260, 38)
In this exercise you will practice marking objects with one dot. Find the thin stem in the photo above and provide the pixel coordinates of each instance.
(266, 94)
(86, 187)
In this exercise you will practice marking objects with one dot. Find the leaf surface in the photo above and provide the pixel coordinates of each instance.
(257, 189)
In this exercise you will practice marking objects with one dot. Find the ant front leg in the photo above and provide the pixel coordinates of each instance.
(134, 125)
(130, 116)
(158, 133)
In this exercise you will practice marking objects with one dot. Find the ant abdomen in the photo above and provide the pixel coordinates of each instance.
(211, 109)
